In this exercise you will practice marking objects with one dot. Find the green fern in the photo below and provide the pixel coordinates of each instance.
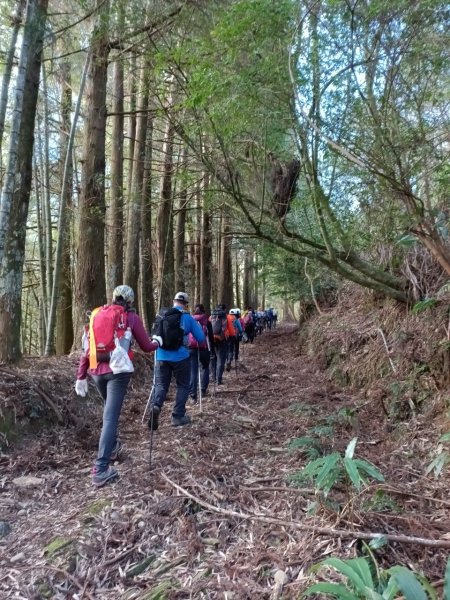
(362, 579)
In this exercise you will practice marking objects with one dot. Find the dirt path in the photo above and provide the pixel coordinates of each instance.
(141, 538)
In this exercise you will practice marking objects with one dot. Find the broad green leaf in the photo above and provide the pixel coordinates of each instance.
(408, 583)
(328, 475)
(445, 437)
(361, 566)
(347, 569)
(331, 589)
(368, 468)
(391, 589)
(349, 452)
(353, 473)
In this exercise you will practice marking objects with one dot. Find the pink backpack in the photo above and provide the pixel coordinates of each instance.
(202, 320)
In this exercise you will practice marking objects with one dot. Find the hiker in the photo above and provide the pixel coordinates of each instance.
(200, 353)
(249, 324)
(274, 317)
(108, 323)
(220, 333)
(234, 329)
(173, 358)
(269, 318)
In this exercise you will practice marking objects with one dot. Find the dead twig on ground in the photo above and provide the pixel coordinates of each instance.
(333, 532)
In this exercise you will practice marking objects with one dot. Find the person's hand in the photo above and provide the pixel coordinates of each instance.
(158, 339)
(81, 387)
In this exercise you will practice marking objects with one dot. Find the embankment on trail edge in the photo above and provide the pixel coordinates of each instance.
(222, 513)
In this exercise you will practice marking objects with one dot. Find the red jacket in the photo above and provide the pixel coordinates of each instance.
(140, 335)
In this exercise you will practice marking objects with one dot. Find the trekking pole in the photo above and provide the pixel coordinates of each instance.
(199, 379)
(151, 418)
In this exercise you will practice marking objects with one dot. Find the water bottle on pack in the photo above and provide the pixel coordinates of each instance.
(125, 340)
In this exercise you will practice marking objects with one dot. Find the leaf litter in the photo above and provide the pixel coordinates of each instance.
(216, 516)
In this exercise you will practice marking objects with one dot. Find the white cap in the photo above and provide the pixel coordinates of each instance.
(182, 297)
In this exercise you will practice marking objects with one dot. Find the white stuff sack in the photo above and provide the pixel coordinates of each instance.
(120, 362)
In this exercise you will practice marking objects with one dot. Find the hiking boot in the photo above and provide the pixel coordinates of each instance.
(228, 366)
(220, 382)
(179, 421)
(153, 421)
(194, 399)
(204, 393)
(99, 478)
(117, 450)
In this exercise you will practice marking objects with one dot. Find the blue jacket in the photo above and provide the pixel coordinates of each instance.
(190, 325)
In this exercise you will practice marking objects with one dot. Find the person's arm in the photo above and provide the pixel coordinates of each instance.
(83, 366)
(238, 325)
(140, 335)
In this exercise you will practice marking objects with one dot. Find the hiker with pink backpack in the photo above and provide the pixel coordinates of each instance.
(200, 353)
(107, 358)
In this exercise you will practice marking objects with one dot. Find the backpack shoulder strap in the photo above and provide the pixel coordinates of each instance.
(92, 347)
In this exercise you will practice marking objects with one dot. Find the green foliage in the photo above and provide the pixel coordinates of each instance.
(381, 502)
(423, 305)
(328, 471)
(442, 457)
(364, 580)
(308, 445)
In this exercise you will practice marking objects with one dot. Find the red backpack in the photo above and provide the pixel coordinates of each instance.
(202, 320)
(105, 324)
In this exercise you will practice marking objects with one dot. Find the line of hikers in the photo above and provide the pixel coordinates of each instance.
(192, 348)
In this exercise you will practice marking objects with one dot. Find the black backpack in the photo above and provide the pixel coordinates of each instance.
(168, 326)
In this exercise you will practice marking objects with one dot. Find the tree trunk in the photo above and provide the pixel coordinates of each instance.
(206, 254)
(247, 283)
(16, 21)
(146, 292)
(180, 232)
(41, 253)
(64, 323)
(131, 133)
(114, 274)
(135, 200)
(90, 286)
(16, 196)
(225, 275)
(198, 242)
(237, 283)
(164, 224)
(64, 237)
(45, 157)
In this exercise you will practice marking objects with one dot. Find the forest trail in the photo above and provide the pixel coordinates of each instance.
(141, 538)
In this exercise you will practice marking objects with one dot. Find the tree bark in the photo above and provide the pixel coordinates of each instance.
(64, 237)
(135, 200)
(146, 292)
(64, 323)
(225, 275)
(90, 285)
(164, 224)
(114, 275)
(16, 197)
(180, 232)
(16, 23)
(206, 252)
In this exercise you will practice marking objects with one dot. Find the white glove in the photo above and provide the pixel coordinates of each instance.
(158, 339)
(81, 387)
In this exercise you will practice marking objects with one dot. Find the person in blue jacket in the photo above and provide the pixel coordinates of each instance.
(177, 363)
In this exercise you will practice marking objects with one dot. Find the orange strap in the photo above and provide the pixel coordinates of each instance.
(92, 347)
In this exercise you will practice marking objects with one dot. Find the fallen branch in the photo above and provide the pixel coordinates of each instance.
(337, 533)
